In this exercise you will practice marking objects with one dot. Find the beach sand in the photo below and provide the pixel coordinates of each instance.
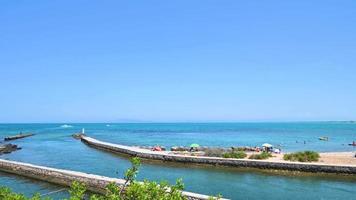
(334, 158)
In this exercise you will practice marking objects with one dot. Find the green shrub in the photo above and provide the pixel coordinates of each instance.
(304, 156)
(235, 154)
(7, 194)
(153, 190)
(214, 152)
(77, 191)
(261, 156)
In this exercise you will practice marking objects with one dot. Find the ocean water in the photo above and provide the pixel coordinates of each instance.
(53, 146)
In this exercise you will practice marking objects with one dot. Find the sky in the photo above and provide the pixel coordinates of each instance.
(177, 61)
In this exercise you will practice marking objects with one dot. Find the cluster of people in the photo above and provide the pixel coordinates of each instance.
(269, 148)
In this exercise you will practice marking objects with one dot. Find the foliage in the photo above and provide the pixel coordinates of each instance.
(217, 197)
(304, 156)
(261, 156)
(7, 194)
(235, 154)
(77, 191)
(131, 173)
(219, 152)
(153, 190)
(214, 152)
(239, 148)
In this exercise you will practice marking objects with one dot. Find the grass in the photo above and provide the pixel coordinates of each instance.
(214, 152)
(235, 154)
(303, 156)
(261, 156)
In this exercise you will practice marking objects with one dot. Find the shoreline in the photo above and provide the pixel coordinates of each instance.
(331, 158)
(231, 162)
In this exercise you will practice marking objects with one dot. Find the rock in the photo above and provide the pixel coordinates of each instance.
(78, 135)
(180, 148)
(8, 148)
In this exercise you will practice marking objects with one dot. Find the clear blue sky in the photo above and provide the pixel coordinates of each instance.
(108, 61)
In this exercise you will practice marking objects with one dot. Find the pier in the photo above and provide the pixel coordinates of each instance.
(230, 162)
(19, 136)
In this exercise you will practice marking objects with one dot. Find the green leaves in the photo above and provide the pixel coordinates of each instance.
(77, 191)
(149, 189)
(132, 172)
(304, 156)
(261, 156)
(235, 154)
(112, 192)
(7, 194)
(152, 190)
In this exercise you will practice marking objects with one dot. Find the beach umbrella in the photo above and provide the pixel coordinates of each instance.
(267, 145)
(194, 145)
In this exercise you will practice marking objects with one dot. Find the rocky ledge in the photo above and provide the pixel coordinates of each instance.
(8, 148)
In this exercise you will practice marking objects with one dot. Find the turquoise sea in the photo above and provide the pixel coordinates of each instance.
(53, 146)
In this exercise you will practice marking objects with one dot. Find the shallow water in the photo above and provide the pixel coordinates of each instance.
(53, 146)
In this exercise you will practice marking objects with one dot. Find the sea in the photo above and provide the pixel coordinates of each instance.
(53, 146)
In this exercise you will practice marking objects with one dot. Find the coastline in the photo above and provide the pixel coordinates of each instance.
(54, 147)
(331, 158)
(275, 163)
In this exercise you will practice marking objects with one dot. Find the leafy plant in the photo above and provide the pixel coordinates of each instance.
(261, 156)
(131, 173)
(235, 154)
(77, 191)
(153, 190)
(7, 194)
(214, 152)
(217, 197)
(304, 156)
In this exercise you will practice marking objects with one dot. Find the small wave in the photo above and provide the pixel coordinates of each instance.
(66, 126)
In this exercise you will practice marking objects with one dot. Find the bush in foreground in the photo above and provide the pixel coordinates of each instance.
(235, 154)
(261, 156)
(304, 156)
(7, 194)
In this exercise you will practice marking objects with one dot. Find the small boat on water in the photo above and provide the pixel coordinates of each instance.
(324, 138)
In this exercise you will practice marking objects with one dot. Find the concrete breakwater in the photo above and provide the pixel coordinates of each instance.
(261, 164)
(19, 136)
(94, 183)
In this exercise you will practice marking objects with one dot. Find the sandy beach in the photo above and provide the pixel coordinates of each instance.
(333, 158)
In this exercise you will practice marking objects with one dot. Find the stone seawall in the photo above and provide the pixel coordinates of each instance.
(165, 156)
(94, 183)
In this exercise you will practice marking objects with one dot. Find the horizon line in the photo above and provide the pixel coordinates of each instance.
(184, 122)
